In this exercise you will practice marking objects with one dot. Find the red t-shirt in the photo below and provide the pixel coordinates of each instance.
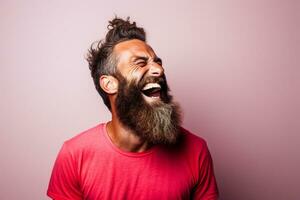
(89, 166)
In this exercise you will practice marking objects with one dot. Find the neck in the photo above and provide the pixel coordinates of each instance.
(124, 138)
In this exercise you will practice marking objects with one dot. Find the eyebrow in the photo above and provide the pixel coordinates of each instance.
(144, 58)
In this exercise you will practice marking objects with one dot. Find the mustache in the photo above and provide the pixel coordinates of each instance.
(162, 81)
(133, 88)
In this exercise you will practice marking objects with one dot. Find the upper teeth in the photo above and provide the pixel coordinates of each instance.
(151, 85)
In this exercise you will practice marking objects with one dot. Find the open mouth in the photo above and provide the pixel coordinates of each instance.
(152, 90)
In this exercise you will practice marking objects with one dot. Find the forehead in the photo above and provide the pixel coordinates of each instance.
(127, 50)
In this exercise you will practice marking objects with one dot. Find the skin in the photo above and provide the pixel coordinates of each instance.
(135, 60)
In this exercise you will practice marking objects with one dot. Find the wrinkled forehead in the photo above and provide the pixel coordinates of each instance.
(129, 49)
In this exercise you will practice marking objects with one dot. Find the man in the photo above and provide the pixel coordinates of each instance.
(142, 153)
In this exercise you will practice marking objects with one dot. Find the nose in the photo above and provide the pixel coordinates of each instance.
(156, 70)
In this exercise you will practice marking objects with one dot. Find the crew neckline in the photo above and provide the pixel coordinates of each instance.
(125, 153)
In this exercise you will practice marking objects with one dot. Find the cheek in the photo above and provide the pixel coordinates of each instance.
(137, 74)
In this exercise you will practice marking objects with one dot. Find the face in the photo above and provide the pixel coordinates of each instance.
(138, 63)
(143, 103)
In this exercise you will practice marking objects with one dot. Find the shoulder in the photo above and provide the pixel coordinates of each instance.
(192, 141)
(85, 139)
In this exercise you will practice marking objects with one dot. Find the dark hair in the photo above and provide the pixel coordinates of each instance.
(101, 58)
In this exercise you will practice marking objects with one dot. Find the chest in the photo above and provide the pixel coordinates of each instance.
(151, 177)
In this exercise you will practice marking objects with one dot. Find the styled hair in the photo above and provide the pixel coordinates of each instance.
(101, 58)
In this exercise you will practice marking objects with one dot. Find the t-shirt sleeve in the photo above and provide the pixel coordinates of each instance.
(206, 188)
(64, 183)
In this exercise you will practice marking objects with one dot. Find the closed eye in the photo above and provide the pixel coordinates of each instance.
(158, 60)
(141, 63)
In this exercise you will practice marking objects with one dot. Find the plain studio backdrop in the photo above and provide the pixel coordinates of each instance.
(233, 65)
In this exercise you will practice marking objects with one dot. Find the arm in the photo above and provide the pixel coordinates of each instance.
(206, 188)
(64, 184)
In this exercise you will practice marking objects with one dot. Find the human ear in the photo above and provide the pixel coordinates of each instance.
(109, 84)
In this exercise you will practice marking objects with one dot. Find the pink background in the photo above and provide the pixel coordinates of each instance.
(233, 65)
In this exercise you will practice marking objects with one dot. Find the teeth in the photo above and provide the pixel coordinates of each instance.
(151, 85)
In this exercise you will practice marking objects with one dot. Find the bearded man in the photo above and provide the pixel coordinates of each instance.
(143, 152)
